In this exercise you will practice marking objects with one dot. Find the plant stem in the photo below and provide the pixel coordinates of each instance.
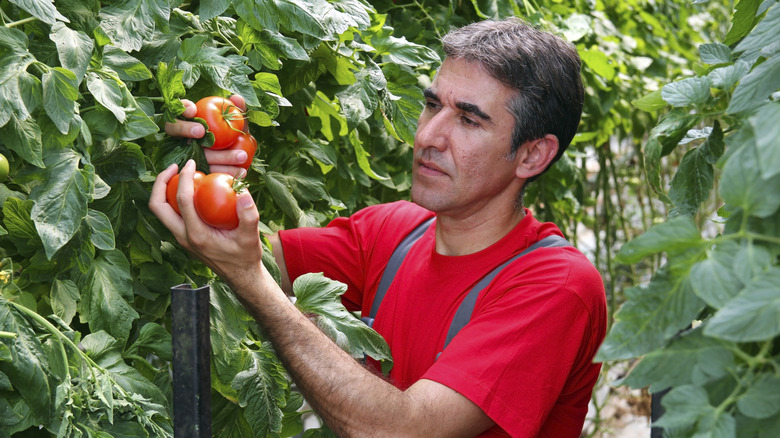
(20, 22)
(8, 335)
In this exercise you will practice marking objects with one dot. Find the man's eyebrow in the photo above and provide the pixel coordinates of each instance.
(463, 106)
(473, 109)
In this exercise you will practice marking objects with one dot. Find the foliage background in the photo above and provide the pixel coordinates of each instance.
(679, 139)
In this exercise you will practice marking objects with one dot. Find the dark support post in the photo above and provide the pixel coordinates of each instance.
(191, 362)
(656, 410)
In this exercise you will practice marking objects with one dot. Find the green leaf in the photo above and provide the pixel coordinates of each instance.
(743, 20)
(597, 61)
(362, 157)
(651, 315)
(43, 10)
(261, 391)
(108, 92)
(209, 9)
(762, 398)
(767, 131)
(692, 182)
(755, 87)
(169, 80)
(118, 161)
(716, 282)
(227, 72)
(27, 367)
(282, 196)
(106, 293)
(24, 138)
(753, 315)
(130, 23)
(359, 100)
(318, 295)
(399, 50)
(102, 234)
(64, 299)
(763, 35)
(61, 201)
(715, 53)
(74, 49)
(60, 92)
(743, 187)
(688, 359)
(106, 351)
(726, 77)
(684, 406)
(674, 236)
(155, 339)
(688, 91)
(127, 67)
(650, 102)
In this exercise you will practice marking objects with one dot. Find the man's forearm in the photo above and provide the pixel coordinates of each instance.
(352, 400)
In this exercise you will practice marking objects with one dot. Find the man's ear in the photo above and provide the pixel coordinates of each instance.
(535, 155)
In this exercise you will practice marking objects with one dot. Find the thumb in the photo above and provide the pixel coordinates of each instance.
(248, 216)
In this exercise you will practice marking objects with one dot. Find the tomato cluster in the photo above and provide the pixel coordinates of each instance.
(215, 193)
(214, 198)
(226, 122)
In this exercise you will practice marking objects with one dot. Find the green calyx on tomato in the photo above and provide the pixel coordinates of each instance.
(4, 167)
(225, 121)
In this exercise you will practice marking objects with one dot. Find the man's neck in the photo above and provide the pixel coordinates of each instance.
(457, 237)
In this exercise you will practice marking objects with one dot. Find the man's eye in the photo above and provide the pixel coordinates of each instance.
(469, 121)
(432, 105)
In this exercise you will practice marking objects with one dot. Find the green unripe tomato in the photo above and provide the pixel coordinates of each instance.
(3, 167)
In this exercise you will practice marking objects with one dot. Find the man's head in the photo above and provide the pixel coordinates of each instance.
(543, 69)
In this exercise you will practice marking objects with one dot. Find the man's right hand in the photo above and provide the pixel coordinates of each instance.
(225, 160)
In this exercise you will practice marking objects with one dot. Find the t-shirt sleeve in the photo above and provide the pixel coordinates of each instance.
(334, 250)
(351, 250)
(526, 355)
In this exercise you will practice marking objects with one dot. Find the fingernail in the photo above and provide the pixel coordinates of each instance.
(197, 131)
(241, 156)
(245, 200)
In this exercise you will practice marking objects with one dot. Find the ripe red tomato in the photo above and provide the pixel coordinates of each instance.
(173, 187)
(248, 144)
(225, 119)
(215, 201)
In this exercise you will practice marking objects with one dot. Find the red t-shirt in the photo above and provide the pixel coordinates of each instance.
(525, 357)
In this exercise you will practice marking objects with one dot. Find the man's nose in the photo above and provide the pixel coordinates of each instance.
(434, 131)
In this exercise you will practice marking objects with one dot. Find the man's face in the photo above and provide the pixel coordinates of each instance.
(463, 139)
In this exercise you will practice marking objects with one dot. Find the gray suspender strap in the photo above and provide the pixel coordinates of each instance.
(463, 315)
(392, 267)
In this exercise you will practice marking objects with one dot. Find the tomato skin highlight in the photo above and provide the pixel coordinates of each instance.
(173, 187)
(224, 118)
(248, 144)
(215, 201)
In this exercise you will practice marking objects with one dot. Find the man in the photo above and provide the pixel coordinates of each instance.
(502, 108)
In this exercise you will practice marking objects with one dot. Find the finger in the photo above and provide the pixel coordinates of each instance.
(248, 216)
(237, 172)
(189, 109)
(158, 203)
(182, 128)
(185, 195)
(225, 157)
(239, 101)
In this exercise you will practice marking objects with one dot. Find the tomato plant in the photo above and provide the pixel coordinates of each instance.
(173, 187)
(224, 119)
(3, 167)
(215, 200)
(248, 144)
